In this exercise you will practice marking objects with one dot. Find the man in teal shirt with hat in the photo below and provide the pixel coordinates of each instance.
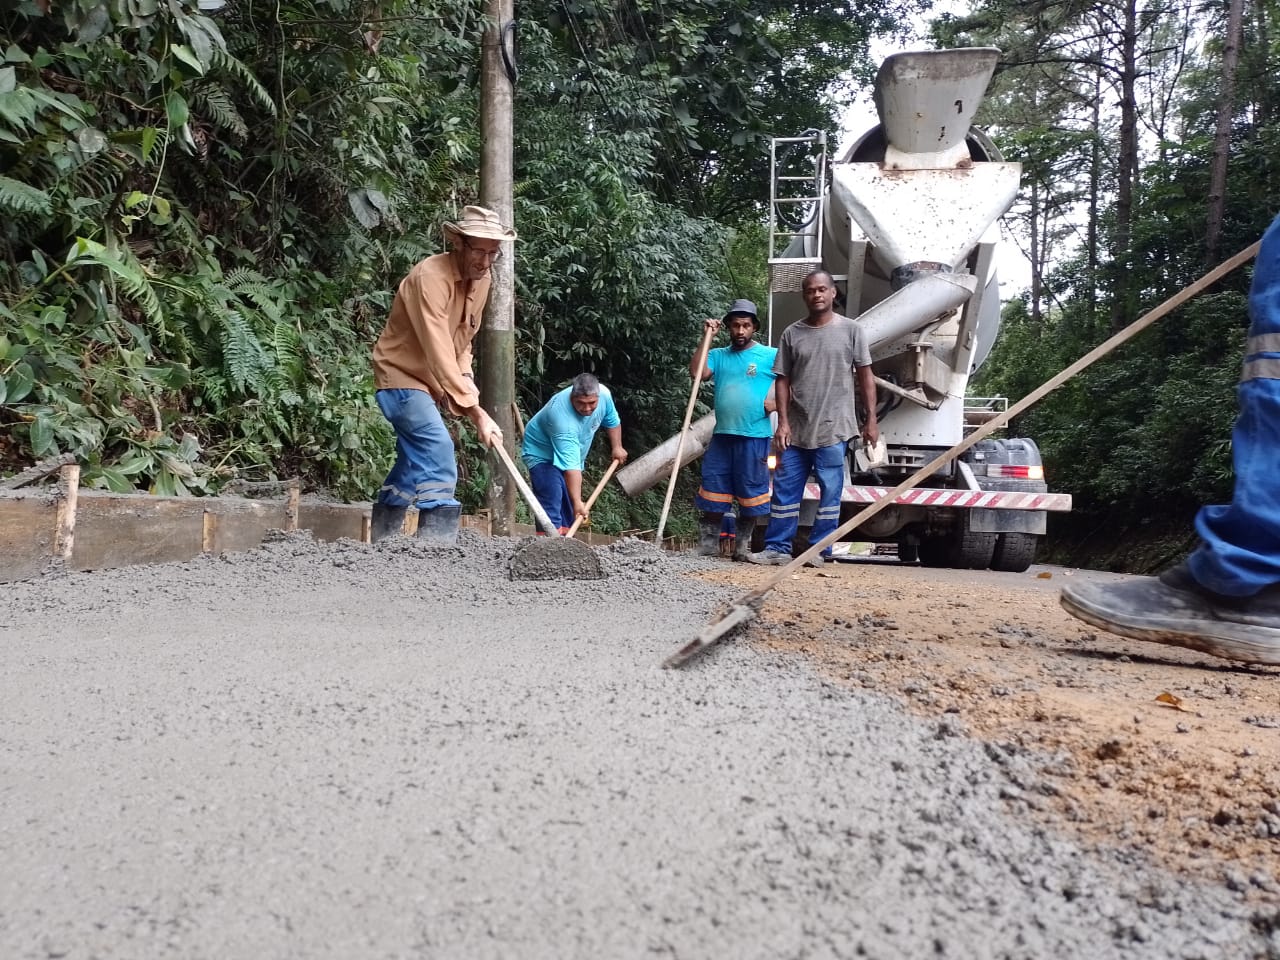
(735, 464)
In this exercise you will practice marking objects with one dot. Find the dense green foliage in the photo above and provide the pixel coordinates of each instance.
(206, 206)
(1146, 432)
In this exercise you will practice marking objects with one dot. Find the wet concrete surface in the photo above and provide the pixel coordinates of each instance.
(394, 751)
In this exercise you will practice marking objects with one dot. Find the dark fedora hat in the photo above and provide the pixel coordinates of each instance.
(745, 307)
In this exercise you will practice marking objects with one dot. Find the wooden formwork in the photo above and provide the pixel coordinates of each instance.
(93, 530)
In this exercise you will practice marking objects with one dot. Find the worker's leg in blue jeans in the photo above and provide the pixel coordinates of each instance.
(426, 468)
(1225, 599)
(789, 479)
(552, 492)
(425, 472)
(828, 466)
(1240, 555)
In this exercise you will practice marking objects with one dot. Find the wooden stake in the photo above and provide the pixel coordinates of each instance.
(69, 475)
(366, 528)
(495, 345)
(515, 415)
(291, 505)
(688, 416)
(209, 533)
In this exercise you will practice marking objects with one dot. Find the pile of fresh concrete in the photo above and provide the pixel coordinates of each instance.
(353, 751)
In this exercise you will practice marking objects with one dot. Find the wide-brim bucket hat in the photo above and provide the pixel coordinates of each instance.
(479, 222)
(745, 307)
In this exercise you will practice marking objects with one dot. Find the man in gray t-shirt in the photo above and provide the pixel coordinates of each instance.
(821, 362)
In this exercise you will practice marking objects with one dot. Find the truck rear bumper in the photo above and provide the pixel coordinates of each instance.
(954, 499)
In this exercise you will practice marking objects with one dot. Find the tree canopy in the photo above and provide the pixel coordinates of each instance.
(1111, 107)
(208, 204)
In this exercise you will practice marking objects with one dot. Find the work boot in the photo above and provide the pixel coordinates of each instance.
(439, 525)
(387, 521)
(770, 558)
(818, 561)
(742, 542)
(709, 535)
(1176, 610)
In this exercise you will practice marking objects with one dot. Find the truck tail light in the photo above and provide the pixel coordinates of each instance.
(1015, 472)
(772, 461)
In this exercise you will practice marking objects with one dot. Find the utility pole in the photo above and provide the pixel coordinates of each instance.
(498, 335)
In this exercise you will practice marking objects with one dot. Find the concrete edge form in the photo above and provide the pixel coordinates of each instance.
(125, 529)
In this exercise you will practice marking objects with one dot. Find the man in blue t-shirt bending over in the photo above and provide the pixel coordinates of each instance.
(557, 440)
(735, 465)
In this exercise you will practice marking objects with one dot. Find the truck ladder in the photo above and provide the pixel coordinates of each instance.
(797, 188)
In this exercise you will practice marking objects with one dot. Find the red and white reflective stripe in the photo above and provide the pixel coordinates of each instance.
(960, 499)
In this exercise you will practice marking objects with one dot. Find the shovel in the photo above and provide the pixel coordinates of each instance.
(552, 557)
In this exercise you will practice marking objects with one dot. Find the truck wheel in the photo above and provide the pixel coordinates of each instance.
(935, 552)
(971, 550)
(908, 552)
(1014, 552)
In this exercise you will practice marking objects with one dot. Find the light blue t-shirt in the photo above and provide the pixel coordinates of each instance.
(561, 436)
(742, 379)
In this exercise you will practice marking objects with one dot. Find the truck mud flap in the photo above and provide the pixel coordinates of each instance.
(983, 520)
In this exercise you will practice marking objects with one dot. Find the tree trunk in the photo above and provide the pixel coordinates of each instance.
(1095, 188)
(1037, 255)
(1262, 103)
(1222, 133)
(1127, 168)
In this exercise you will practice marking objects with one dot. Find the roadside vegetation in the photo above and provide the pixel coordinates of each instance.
(206, 207)
(1148, 142)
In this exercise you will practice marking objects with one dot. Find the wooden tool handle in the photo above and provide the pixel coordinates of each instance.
(535, 507)
(688, 416)
(594, 493)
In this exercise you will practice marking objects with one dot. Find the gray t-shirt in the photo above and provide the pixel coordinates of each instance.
(819, 362)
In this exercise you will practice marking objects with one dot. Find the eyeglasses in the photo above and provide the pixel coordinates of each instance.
(493, 256)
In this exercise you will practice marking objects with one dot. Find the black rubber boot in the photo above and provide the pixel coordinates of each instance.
(709, 535)
(439, 525)
(387, 521)
(1176, 610)
(742, 545)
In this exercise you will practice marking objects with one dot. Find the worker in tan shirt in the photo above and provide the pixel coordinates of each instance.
(422, 368)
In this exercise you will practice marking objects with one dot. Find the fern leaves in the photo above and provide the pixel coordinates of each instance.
(17, 197)
(121, 263)
(236, 68)
(217, 106)
(244, 361)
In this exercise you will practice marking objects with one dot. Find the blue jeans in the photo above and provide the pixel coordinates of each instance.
(1241, 551)
(794, 467)
(426, 470)
(552, 492)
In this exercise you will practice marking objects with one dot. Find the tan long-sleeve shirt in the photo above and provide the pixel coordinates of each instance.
(426, 344)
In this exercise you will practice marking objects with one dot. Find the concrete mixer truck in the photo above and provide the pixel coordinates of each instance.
(906, 222)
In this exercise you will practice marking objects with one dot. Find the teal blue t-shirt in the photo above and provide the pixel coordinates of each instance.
(742, 379)
(561, 436)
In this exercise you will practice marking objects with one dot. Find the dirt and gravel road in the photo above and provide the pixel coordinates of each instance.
(349, 751)
(1172, 751)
